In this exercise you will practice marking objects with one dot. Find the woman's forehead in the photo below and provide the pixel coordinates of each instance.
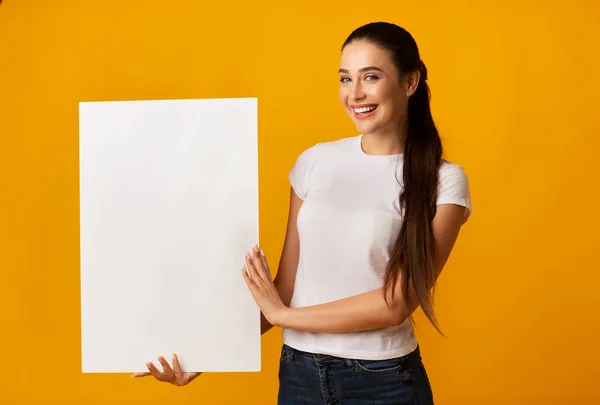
(360, 54)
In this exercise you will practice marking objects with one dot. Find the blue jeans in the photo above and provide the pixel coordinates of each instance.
(313, 379)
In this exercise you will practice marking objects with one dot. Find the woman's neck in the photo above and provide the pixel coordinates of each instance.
(384, 142)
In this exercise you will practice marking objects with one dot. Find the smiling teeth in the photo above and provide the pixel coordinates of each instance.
(365, 109)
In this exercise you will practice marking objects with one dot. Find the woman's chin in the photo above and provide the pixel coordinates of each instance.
(366, 128)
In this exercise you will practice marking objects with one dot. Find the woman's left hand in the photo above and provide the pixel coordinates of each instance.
(259, 281)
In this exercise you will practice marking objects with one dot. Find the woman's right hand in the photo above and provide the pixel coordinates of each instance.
(172, 375)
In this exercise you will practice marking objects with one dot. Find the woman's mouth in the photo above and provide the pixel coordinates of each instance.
(364, 111)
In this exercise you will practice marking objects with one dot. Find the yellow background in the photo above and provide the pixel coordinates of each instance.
(515, 94)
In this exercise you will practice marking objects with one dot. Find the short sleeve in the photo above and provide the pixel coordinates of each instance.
(454, 187)
(299, 174)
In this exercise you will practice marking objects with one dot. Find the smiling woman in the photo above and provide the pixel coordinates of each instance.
(361, 110)
(369, 248)
(381, 212)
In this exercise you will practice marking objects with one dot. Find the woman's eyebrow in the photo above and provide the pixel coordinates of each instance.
(362, 69)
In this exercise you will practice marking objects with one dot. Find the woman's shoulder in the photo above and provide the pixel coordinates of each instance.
(332, 146)
(308, 162)
(450, 169)
(453, 185)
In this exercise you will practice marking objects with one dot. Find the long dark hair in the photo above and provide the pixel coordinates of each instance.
(412, 256)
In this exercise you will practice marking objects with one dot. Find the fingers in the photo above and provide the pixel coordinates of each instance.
(253, 271)
(248, 279)
(137, 375)
(173, 375)
(256, 270)
(265, 264)
(153, 370)
(177, 367)
(258, 261)
(165, 365)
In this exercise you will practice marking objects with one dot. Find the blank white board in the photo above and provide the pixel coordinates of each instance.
(168, 209)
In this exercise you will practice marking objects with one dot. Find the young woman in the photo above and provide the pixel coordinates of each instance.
(372, 221)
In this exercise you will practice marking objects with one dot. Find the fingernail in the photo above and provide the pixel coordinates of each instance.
(262, 253)
(256, 248)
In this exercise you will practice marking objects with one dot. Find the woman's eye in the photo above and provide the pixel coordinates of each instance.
(371, 77)
(344, 79)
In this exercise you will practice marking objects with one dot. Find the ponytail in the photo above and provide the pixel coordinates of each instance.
(412, 256)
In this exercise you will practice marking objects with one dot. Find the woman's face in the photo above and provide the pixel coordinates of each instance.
(370, 89)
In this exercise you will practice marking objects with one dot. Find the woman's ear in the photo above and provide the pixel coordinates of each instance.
(411, 82)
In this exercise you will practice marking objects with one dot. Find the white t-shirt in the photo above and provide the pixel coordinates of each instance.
(348, 223)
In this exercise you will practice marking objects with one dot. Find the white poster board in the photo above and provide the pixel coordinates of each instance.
(168, 209)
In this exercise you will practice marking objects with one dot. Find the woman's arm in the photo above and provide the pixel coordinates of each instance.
(288, 263)
(360, 312)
